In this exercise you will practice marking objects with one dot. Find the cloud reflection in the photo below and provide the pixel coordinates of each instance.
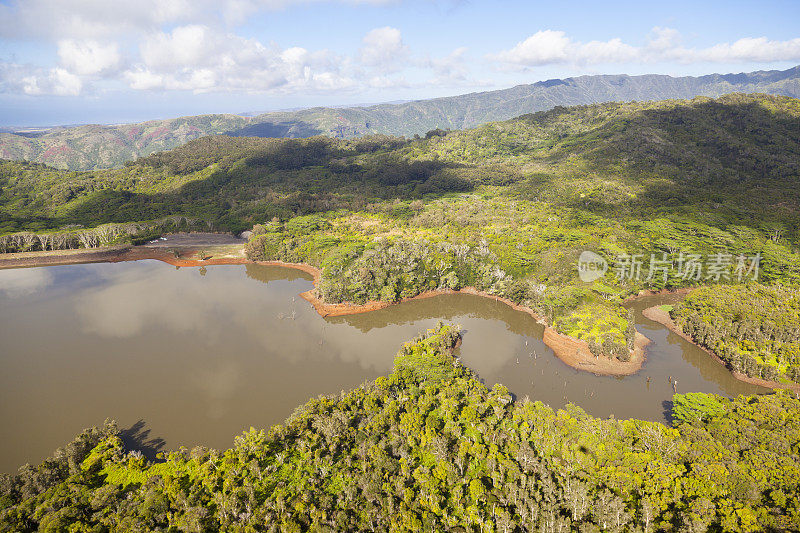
(230, 311)
(218, 384)
(16, 282)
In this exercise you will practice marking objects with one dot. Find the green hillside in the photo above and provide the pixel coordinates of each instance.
(97, 146)
(94, 146)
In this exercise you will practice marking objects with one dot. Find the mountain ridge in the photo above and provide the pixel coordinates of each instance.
(96, 146)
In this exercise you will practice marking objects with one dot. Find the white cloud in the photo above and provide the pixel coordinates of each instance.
(141, 79)
(758, 49)
(318, 70)
(89, 57)
(549, 47)
(541, 48)
(92, 18)
(201, 59)
(613, 51)
(237, 11)
(185, 46)
(104, 18)
(78, 60)
(55, 81)
(383, 48)
(176, 45)
(661, 39)
(450, 69)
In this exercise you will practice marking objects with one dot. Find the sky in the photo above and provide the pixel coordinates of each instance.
(106, 61)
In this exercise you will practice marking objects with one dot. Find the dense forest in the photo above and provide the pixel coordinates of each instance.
(507, 207)
(430, 448)
(755, 328)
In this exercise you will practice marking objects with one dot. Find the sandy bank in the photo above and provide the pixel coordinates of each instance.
(64, 257)
(656, 314)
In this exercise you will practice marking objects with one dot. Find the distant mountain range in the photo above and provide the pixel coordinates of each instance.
(96, 146)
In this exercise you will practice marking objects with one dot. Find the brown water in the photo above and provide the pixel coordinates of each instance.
(189, 356)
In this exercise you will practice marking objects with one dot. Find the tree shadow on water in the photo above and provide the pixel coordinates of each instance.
(137, 437)
(667, 405)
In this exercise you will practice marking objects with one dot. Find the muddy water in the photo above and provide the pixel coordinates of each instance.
(189, 356)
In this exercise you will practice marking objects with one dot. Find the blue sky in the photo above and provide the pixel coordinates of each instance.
(85, 61)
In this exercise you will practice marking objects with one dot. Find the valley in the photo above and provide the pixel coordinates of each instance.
(539, 395)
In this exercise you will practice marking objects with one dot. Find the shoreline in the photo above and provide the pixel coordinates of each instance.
(118, 254)
(656, 314)
(573, 352)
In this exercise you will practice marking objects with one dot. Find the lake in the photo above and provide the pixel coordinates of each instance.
(194, 356)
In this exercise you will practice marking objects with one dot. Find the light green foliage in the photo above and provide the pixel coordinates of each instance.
(696, 407)
(429, 448)
(754, 328)
(604, 327)
(427, 357)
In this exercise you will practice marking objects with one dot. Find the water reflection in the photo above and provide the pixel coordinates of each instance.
(494, 334)
(24, 281)
(218, 384)
(203, 355)
(505, 346)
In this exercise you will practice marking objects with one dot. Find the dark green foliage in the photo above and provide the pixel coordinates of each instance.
(229, 182)
(438, 132)
(429, 448)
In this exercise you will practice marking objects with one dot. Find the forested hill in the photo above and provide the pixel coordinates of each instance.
(94, 146)
(640, 159)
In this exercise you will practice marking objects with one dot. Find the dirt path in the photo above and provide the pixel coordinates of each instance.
(645, 293)
(188, 257)
(195, 240)
(180, 249)
(657, 314)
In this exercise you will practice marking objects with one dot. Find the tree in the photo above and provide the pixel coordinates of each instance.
(696, 407)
